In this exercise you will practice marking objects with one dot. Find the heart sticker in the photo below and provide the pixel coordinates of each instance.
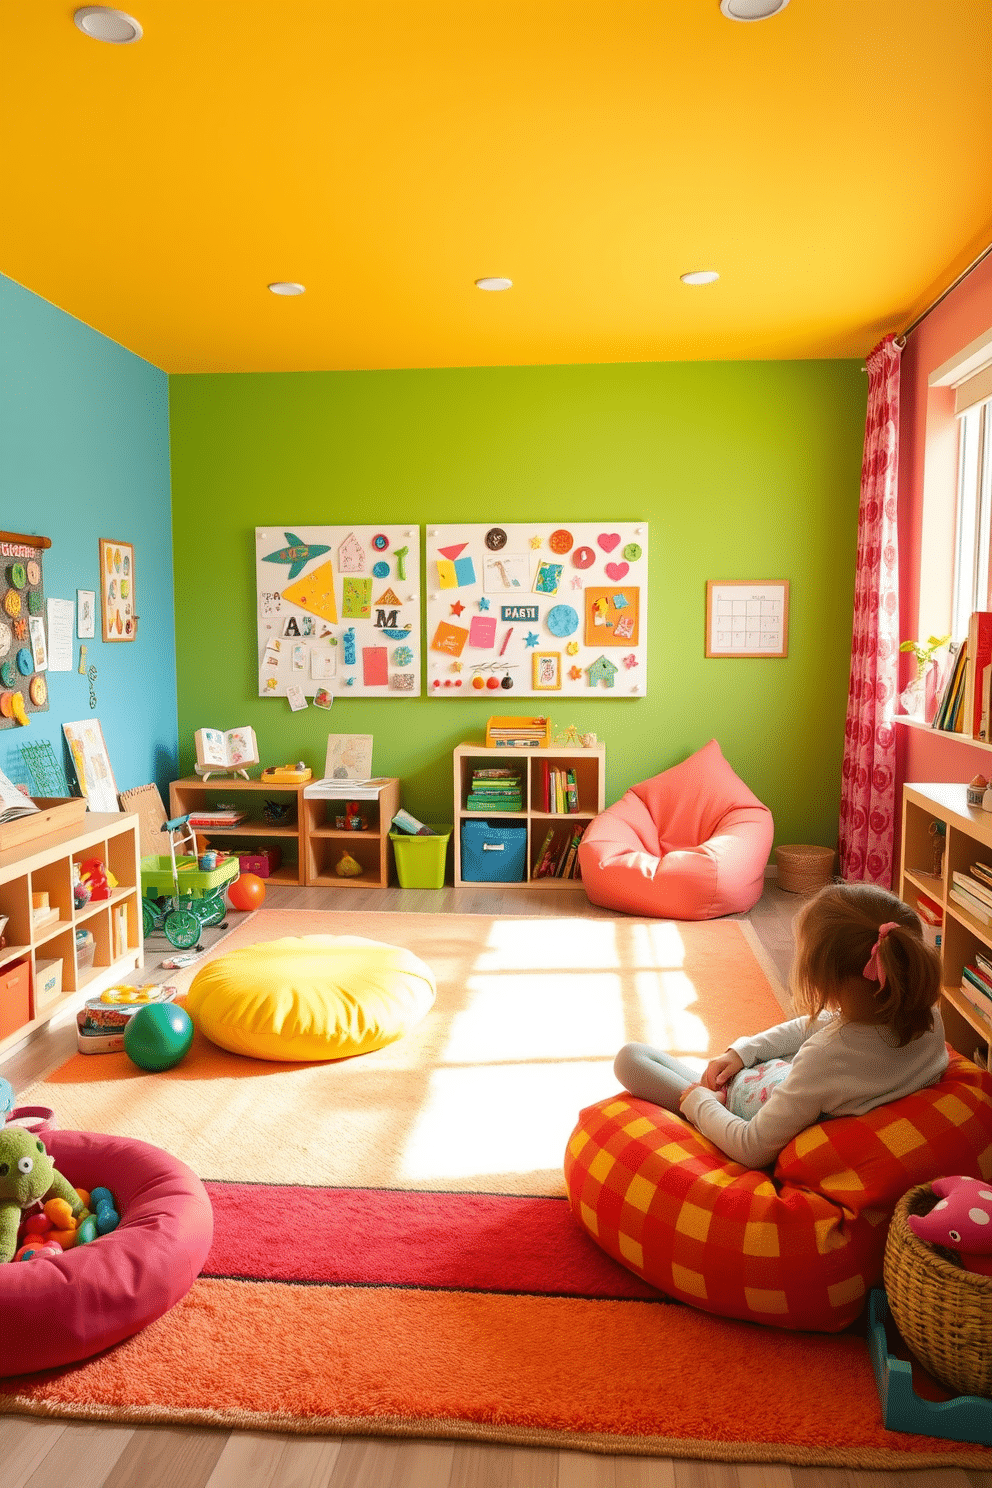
(608, 541)
(617, 571)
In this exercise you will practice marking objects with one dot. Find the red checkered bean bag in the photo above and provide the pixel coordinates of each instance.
(689, 844)
(798, 1247)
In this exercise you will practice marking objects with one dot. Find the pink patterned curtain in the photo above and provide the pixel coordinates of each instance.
(867, 809)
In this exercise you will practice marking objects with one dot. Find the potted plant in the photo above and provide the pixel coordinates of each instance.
(912, 697)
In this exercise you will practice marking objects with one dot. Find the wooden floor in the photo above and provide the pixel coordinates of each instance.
(50, 1454)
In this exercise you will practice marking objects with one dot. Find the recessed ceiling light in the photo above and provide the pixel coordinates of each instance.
(494, 284)
(287, 287)
(751, 10)
(700, 276)
(104, 23)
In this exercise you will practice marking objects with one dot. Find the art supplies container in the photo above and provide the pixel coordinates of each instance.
(420, 860)
(85, 949)
(262, 861)
(493, 854)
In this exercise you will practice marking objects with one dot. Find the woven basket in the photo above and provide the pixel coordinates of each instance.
(804, 869)
(942, 1311)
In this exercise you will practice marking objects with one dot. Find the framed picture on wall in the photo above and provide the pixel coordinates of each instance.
(120, 620)
(747, 617)
(546, 671)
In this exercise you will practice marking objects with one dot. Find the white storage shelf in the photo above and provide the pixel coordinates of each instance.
(45, 865)
(589, 766)
(967, 839)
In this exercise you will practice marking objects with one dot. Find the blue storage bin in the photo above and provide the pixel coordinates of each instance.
(493, 854)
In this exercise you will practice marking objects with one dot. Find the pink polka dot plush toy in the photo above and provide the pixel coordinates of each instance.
(961, 1221)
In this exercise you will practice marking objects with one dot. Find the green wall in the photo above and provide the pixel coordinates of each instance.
(744, 470)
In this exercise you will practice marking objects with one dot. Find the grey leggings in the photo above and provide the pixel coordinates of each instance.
(653, 1075)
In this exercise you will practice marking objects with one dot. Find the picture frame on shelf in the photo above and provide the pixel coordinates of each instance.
(117, 590)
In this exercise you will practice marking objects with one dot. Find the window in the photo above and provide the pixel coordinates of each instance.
(974, 513)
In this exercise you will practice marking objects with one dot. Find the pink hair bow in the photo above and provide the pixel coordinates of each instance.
(873, 972)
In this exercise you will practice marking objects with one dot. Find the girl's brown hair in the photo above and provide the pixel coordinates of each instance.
(835, 934)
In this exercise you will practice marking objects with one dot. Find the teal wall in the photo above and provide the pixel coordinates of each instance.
(743, 470)
(84, 454)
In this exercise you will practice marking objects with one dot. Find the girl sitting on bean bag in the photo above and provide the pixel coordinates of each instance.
(867, 985)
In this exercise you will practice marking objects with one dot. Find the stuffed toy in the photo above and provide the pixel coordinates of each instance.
(962, 1221)
(27, 1175)
(7, 1099)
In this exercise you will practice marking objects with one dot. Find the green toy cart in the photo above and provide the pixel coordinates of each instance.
(177, 896)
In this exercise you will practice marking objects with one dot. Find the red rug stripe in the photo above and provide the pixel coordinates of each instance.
(382, 1237)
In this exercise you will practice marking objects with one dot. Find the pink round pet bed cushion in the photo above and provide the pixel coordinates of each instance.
(56, 1310)
(689, 844)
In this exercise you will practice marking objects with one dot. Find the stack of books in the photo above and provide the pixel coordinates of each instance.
(932, 915)
(560, 791)
(217, 816)
(559, 855)
(516, 733)
(495, 790)
(976, 985)
(973, 891)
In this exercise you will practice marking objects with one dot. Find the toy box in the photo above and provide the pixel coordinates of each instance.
(420, 859)
(262, 861)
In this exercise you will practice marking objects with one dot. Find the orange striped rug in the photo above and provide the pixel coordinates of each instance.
(394, 1253)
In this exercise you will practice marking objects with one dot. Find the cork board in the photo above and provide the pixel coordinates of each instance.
(146, 803)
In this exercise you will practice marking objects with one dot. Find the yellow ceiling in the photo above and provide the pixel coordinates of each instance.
(834, 164)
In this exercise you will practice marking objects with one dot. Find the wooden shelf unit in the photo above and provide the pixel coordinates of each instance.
(44, 864)
(590, 777)
(324, 842)
(194, 794)
(968, 839)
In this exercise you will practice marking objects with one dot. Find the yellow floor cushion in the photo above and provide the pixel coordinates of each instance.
(310, 997)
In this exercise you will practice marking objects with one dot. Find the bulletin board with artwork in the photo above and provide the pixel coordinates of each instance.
(23, 643)
(338, 612)
(120, 620)
(537, 608)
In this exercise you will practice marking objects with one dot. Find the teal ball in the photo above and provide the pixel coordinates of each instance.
(158, 1036)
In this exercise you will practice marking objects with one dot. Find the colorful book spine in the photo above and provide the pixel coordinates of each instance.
(980, 653)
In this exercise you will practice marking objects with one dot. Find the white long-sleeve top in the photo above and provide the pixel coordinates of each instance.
(838, 1069)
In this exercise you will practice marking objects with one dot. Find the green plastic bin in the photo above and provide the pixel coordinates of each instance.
(420, 860)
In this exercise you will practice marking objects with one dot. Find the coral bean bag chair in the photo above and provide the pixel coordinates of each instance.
(689, 844)
(799, 1246)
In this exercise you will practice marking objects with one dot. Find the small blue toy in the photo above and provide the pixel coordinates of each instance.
(7, 1100)
(104, 1210)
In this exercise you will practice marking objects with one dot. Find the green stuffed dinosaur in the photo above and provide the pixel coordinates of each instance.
(27, 1174)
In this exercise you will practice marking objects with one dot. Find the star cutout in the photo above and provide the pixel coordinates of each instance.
(483, 603)
(535, 542)
(572, 648)
(457, 607)
(577, 582)
(575, 673)
(532, 638)
(630, 661)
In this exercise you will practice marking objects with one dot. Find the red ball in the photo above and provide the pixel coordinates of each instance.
(246, 892)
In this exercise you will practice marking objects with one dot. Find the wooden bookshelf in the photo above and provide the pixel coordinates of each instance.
(590, 776)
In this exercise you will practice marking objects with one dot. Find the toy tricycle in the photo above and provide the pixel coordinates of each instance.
(177, 896)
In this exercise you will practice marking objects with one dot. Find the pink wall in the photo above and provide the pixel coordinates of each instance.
(923, 755)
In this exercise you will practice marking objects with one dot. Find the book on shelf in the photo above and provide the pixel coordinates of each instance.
(974, 887)
(984, 962)
(980, 654)
(231, 749)
(983, 872)
(979, 979)
(975, 907)
(572, 791)
(218, 817)
(981, 1004)
(928, 911)
(543, 858)
(944, 717)
(14, 802)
